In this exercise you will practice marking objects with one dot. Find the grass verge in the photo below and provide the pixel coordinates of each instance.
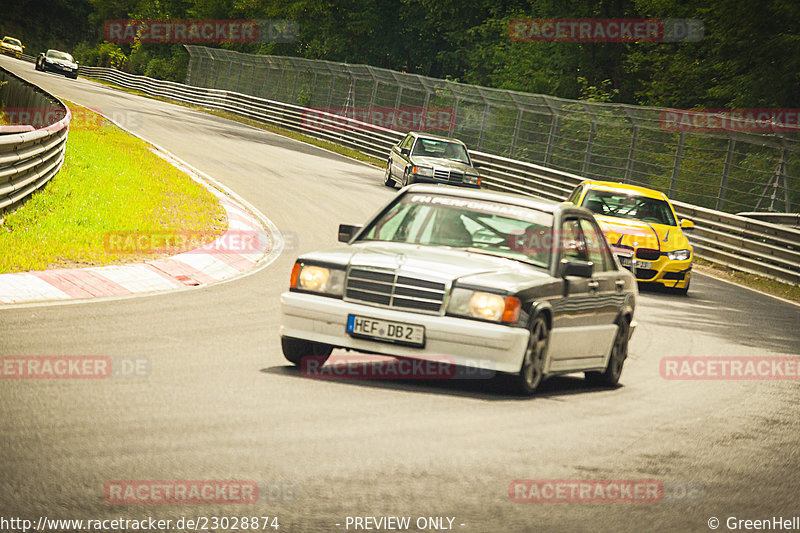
(759, 283)
(111, 184)
(327, 145)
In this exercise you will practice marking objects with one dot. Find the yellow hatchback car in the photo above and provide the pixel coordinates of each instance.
(641, 221)
(11, 47)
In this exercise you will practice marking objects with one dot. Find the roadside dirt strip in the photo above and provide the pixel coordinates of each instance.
(250, 241)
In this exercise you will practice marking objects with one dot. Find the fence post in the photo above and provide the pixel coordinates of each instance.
(263, 91)
(425, 104)
(785, 178)
(517, 124)
(551, 138)
(239, 79)
(676, 166)
(230, 75)
(330, 93)
(294, 87)
(587, 160)
(548, 153)
(217, 72)
(631, 155)
(483, 125)
(453, 122)
(374, 93)
(723, 185)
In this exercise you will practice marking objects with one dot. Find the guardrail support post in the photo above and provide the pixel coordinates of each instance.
(723, 184)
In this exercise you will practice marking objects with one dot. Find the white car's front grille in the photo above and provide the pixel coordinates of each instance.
(391, 289)
(448, 175)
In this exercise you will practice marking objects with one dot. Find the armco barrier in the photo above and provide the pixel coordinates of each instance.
(29, 159)
(743, 243)
(784, 219)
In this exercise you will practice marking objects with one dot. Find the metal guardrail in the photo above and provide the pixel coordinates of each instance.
(29, 159)
(745, 244)
(784, 219)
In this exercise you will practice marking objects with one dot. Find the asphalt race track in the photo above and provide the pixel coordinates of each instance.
(219, 402)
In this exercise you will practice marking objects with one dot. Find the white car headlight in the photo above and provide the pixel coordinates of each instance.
(472, 179)
(484, 305)
(679, 255)
(424, 171)
(319, 279)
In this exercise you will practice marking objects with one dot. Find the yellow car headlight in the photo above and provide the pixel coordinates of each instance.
(679, 255)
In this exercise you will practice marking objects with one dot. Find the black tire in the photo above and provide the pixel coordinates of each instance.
(387, 176)
(407, 179)
(295, 349)
(619, 352)
(532, 372)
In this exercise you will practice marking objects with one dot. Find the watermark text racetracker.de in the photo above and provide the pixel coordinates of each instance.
(606, 30)
(730, 368)
(355, 367)
(200, 31)
(196, 492)
(602, 491)
(45, 117)
(45, 524)
(166, 242)
(18, 367)
(376, 118)
(750, 120)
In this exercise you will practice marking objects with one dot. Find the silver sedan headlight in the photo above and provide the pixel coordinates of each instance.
(472, 179)
(320, 279)
(679, 255)
(426, 172)
(484, 305)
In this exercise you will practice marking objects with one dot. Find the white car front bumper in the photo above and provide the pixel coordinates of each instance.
(464, 342)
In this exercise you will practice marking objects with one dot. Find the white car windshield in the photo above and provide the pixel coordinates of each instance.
(481, 226)
(441, 149)
(616, 204)
(55, 54)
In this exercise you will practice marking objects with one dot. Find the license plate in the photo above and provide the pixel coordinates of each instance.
(386, 330)
(643, 264)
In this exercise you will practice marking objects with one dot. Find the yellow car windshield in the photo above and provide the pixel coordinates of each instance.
(621, 205)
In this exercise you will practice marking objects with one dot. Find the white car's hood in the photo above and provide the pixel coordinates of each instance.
(433, 262)
(438, 162)
(62, 62)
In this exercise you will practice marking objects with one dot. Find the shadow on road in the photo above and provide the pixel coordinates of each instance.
(494, 389)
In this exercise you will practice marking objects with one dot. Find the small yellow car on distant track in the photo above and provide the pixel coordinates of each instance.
(642, 221)
(11, 47)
